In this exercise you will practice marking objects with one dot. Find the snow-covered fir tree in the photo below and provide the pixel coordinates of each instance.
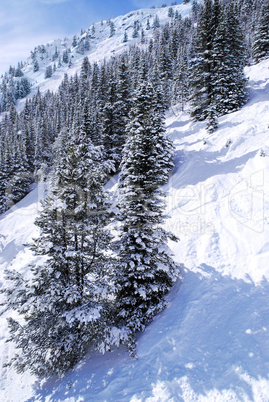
(64, 301)
(145, 270)
(180, 88)
(261, 38)
(201, 76)
(217, 80)
(113, 124)
(229, 82)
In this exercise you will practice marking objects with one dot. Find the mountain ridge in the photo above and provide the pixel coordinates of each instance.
(100, 48)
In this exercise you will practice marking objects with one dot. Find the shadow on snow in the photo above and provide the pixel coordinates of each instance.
(214, 329)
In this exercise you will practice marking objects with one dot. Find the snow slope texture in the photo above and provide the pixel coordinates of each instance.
(212, 341)
(102, 46)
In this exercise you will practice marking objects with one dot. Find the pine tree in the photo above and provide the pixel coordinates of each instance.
(113, 124)
(212, 122)
(124, 88)
(64, 302)
(261, 38)
(21, 177)
(229, 84)
(112, 29)
(65, 56)
(146, 271)
(195, 10)
(177, 15)
(86, 44)
(201, 75)
(4, 173)
(18, 72)
(48, 72)
(216, 77)
(125, 37)
(135, 32)
(74, 41)
(181, 79)
(143, 39)
(55, 54)
(10, 95)
(171, 12)
(156, 22)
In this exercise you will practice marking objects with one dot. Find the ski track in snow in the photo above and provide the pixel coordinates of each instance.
(212, 341)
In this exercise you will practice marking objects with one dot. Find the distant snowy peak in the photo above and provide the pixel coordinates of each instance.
(100, 41)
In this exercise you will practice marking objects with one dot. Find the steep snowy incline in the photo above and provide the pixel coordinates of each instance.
(102, 46)
(17, 230)
(212, 341)
(220, 190)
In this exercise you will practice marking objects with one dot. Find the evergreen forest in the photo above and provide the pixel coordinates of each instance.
(104, 266)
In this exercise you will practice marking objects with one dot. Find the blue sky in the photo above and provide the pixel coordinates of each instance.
(25, 24)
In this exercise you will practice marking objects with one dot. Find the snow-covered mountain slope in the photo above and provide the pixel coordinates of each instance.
(212, 341)
(101, 45)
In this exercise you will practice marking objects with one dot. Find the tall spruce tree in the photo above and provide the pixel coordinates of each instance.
(64, 300)
(201, 75)
(261, 38)
(229, 51)
(4, 173)
(114, 120)
(180, 89)
(145, 270)
(217, 81)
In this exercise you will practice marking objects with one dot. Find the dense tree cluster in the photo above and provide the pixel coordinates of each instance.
(145, 271)
(100, 96)
(217, 80)
(92, 290)
(68, 288)
(88, 291)
(261, 35)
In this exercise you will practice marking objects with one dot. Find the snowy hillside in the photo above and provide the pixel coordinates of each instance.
(212, 341)
(101, 45)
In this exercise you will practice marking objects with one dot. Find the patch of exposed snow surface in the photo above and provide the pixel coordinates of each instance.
(212, 341)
